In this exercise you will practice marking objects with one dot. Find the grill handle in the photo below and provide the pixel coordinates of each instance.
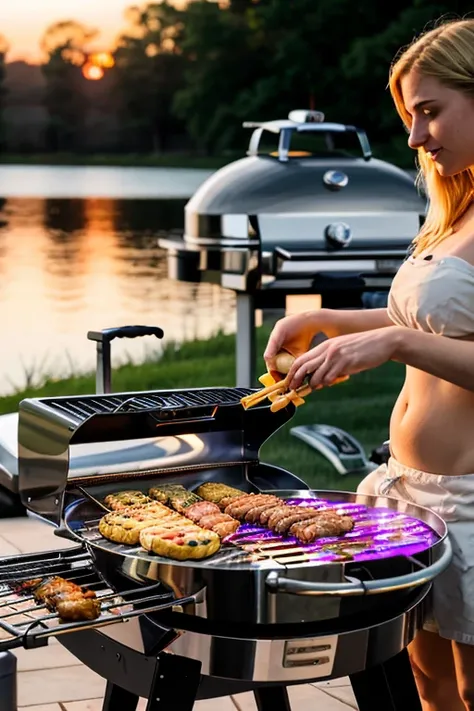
(104, 338)
(278, 584)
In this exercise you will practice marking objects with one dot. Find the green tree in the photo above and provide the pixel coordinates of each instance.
(64, 46)
(365, 67)
(221, 62)
(149, 70)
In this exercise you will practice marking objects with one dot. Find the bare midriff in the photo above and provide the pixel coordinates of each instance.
(432, 426)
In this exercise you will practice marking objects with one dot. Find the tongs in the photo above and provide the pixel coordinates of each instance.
(277, 390)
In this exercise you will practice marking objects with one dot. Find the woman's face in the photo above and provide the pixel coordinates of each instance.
(442, 122)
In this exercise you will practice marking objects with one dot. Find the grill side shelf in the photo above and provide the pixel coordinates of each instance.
(25, 623)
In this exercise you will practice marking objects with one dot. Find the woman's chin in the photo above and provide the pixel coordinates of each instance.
(447, 171)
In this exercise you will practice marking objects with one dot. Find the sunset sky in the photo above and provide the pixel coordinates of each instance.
(22, 22)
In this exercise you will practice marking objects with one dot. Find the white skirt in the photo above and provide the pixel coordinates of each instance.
(452, 498)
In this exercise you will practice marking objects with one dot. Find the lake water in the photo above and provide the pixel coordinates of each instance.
(78, 252)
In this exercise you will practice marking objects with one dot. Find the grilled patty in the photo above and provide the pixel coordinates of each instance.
(123, 499)
(215, 492)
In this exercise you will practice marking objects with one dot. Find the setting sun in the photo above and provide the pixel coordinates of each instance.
(92, 72)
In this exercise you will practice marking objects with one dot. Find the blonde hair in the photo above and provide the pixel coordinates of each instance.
(446, 53)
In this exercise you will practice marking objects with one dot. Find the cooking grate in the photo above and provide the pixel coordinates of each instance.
(378, 533)
(23, 622)
(84, 407)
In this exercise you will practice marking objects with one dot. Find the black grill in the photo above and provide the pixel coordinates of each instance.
(84, 407)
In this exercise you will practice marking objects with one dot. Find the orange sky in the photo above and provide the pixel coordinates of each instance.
(22, 22)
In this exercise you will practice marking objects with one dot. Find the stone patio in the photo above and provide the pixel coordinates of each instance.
(52, 679)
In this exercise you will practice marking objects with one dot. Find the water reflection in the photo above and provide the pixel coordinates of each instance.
(68, 266)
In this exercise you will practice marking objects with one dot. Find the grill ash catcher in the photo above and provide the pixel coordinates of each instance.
(264, 612)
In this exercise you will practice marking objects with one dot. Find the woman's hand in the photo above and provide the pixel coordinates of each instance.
(344, 355)
(294, 335)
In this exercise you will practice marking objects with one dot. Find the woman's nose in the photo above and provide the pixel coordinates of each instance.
(418, 135)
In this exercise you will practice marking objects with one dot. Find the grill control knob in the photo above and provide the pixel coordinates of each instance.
(338, 234)
(335, 179)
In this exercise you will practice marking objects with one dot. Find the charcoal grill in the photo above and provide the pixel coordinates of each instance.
(308, 211)
(264, 612)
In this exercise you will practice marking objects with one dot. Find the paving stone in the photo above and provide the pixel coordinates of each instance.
(47, 686)
(7, 548)
(342, 693)
(53, 656)
(30, 535)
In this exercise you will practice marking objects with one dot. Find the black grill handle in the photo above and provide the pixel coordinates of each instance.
(104, 338)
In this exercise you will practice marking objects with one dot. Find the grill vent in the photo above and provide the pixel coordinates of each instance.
(84, 407)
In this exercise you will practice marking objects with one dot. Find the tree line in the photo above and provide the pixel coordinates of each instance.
(189, 77)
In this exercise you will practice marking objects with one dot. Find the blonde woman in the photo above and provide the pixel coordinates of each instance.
(429, 327)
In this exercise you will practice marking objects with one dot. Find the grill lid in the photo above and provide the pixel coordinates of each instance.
(69, 437)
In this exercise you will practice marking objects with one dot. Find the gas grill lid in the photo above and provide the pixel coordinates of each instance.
(70, 440)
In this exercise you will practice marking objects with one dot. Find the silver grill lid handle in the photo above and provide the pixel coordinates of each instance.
(281, 584)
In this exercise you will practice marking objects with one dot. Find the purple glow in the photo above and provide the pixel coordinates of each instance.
(378, 533)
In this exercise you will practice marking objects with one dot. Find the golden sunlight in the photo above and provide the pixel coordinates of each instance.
(92, 72)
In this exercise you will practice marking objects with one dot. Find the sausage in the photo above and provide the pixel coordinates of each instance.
(86, 608)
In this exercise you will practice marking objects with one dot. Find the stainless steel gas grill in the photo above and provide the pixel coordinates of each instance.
(264, 612)
(323, 220)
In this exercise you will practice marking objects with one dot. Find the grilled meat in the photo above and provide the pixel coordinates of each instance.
(209, 515)
(265, 515)
(162, 493)
(325, 525)
(27, 585)
(239, 508)
(278, 515)
(226, 528)
(52, 600)
(174, 495)
(227, 500)
(213, 520)
(123, 499)
(202, 508)
(253, 516)
(53, 586)
(69, 600)
(215, 492)
(86, 608)
(284, 524)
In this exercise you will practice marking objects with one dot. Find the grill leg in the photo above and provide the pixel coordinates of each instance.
(118, 699)
(272, 698)
(175, 684)
(389, 686)
(245, 341)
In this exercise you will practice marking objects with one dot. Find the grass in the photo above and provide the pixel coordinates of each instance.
(361, 406)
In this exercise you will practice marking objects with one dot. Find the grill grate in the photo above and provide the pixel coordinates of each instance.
(84, 407)
(24, 622)
(378, 533)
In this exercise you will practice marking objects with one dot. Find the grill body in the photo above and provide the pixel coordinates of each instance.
(279, 224)
(298, 221)
(259, 615)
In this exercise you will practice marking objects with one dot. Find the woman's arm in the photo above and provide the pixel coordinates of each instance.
(445, 358)
(339, 322)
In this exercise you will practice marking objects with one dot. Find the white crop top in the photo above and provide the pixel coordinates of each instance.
(436, 296)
